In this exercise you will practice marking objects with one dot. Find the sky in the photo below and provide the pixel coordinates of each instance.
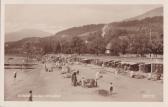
(53, 18)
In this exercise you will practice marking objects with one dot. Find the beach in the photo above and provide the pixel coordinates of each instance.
(54, 86)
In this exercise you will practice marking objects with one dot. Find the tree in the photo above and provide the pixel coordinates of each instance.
(57, 47)
(77, 45)
(97, 46)
(27, 49)
(139, 45)
(66, 47)
(123, 44)
(115, 46)
(47, 48)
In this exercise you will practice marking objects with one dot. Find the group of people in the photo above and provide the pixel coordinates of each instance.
(82, 82)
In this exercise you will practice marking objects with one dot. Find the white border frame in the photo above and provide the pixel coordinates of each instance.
(98, 104)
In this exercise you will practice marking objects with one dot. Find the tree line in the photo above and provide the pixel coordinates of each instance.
(137, 44)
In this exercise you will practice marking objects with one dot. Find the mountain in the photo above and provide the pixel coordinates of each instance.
(81, 31)
(148, 23)
(149, 27)
(151, 13)
(152, 19)
(25, 33)
(104, 29)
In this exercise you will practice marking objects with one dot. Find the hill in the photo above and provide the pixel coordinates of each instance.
(141, 34)
(25, 33)
(151, 13)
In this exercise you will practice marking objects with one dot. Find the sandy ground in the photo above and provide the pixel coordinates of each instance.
(52, 86)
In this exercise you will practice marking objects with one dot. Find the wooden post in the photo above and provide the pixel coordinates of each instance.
(151, 68)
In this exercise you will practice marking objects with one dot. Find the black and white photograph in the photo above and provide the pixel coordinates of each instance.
(84, 52)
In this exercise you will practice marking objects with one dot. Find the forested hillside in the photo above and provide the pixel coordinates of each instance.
(136, 36)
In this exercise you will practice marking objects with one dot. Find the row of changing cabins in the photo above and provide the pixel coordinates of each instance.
(153, 67)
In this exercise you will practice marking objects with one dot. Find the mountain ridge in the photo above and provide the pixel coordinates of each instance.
(106, 32)
(151, 13)
(25, 33)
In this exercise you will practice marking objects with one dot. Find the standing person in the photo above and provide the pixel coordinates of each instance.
(45, 67)
(72, 78)
(111, 88)
(30, 95)
(103, 65)
(68, 69)
(15, 75)
(118, 68)
(116, 73)
(132, 74)
(83, 82)
(149, 76)
(75, 79)
(97, 77)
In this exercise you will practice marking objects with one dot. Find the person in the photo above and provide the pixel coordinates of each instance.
(125, 68)
(118, 68)
(116, 73)
(45, 67)
(74, 79)
(68, 69)
(132, 74)
(77, 72)
(49, 67)
(111, 88)
(103, 65)
(149, 76)
(97, 77)
(83, 82)
(15, 74)
(30, 96)
(158, 74)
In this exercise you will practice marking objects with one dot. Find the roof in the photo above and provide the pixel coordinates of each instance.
(131, 63)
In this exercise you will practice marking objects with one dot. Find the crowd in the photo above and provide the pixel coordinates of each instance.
(64, 64)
